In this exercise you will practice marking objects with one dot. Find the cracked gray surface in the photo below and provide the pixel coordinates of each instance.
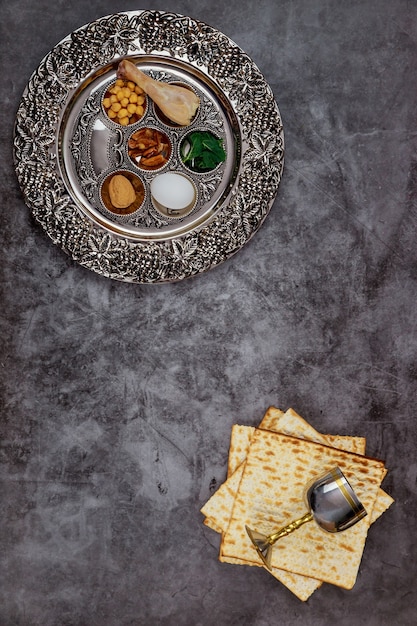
(118, 399)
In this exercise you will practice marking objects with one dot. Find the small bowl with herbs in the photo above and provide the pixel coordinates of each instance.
(201, 151)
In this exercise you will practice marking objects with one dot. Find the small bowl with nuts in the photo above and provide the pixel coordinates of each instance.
(149, 148)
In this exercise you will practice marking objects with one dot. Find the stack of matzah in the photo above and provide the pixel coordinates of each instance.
(268, 470)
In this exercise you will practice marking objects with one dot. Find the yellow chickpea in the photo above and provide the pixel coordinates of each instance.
(124, 100)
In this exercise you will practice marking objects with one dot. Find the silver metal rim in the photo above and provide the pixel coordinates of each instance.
(234, 207)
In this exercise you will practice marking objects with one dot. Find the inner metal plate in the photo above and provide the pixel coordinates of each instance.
(91, 147)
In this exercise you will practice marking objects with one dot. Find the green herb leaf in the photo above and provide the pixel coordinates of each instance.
(202, 151)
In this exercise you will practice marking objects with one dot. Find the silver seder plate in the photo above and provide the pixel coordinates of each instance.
(66, 146)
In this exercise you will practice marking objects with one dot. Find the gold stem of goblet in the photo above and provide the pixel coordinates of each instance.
(263, 543)
(289, 528)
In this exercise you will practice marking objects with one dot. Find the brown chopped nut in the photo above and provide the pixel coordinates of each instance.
(149, 148)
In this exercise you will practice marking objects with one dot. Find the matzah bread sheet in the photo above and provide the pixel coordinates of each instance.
(218, 510)
(270, 495)
(290, 423)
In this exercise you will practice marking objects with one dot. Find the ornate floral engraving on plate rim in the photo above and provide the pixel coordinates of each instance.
(102, 43)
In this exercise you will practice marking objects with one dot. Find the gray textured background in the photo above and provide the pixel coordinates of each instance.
(118, 399)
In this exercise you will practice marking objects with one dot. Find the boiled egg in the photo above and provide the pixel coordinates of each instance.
(173, 191)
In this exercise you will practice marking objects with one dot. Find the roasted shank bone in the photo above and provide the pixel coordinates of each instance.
(179, 104)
